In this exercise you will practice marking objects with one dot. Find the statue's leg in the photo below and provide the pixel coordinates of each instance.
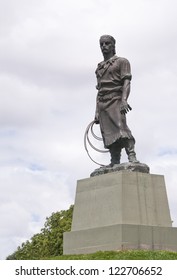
(115, 151)
(129, 145)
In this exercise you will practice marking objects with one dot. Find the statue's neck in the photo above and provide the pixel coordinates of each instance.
(107, 56)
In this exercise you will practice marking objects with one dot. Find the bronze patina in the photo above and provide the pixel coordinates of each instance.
(113, 85)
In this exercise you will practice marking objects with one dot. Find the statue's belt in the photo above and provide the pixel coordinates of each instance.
(109, 96)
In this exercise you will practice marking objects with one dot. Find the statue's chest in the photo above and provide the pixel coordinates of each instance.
(108, 71)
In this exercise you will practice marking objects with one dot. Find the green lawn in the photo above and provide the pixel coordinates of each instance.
(122, 255)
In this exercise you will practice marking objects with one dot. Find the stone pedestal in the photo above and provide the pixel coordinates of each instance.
(121, 210)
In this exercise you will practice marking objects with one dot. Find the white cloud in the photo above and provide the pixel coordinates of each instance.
(28, 196)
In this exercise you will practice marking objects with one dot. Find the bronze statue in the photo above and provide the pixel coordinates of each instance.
(113, 85)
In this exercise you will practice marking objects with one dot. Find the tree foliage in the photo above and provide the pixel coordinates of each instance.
(49, 242)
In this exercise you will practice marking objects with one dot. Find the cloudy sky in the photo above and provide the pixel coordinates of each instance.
(48, 54)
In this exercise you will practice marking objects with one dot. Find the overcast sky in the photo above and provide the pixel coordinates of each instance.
(49, 50)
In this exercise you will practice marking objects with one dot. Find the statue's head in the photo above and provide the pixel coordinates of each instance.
(109, 39)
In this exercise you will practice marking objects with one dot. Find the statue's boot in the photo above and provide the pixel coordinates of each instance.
(130, 150)
(115, 151)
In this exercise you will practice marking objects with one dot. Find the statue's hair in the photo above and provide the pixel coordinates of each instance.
(112, 40)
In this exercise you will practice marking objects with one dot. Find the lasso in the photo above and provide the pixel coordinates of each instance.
(87, 141)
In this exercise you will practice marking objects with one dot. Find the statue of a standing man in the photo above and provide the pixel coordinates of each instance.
(113, 84)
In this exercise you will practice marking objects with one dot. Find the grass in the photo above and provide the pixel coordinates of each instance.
(122, 255)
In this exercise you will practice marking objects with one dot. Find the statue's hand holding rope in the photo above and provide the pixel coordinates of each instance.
(96, 120)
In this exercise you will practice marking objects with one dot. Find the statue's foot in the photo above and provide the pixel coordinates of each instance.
(111, 165)
(108, 166)
(114, 163)
(133, 159)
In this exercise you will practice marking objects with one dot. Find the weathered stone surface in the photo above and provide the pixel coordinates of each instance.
(121, 198)
(120, 237)
(128, 166)
(121, 211)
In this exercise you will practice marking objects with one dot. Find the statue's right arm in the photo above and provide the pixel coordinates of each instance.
(96, 112)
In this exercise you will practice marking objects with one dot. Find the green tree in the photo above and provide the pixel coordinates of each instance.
(49, 242)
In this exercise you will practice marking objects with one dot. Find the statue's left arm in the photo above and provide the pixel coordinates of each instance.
(126, 78)
(125, 107)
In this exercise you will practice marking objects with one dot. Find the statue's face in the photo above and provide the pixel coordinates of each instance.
(106, 45)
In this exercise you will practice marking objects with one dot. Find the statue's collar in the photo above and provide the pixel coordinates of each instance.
(107, 62)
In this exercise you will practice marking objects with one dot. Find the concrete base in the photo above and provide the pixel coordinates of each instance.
(120, 237)
(120, 210)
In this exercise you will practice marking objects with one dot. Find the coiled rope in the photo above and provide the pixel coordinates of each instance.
(87, 141)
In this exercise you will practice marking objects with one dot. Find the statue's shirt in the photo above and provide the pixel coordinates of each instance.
(111, 75)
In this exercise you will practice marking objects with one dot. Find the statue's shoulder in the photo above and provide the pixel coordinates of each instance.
(99, 67)
(123, 60)
(100, 64)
